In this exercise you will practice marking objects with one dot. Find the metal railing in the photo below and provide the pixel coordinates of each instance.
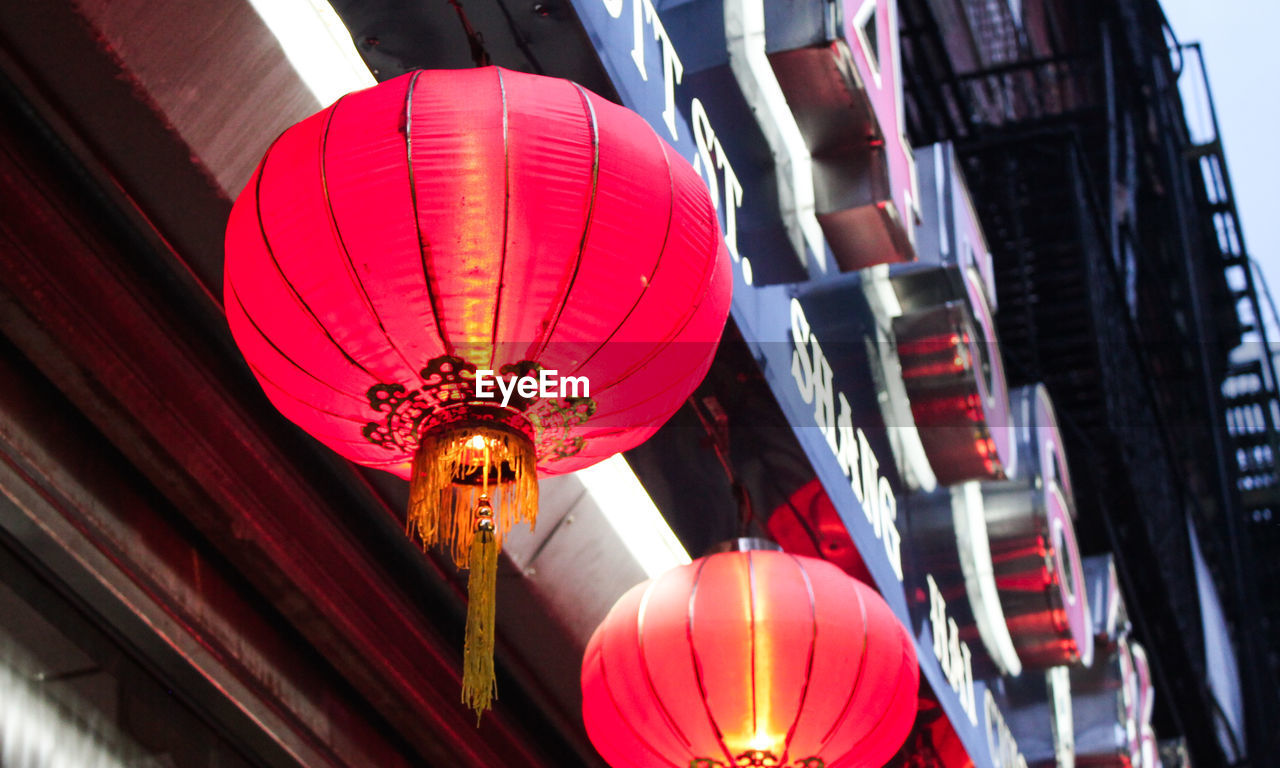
(1249, 389)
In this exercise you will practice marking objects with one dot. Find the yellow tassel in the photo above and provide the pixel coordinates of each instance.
(445, 487)
(479, 687)
(472, 480)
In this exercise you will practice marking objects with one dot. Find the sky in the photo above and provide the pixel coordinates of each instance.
(1239, 39)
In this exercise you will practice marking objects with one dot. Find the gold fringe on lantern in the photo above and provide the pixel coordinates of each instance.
(446, 484)
(472, 480)
(479, 687)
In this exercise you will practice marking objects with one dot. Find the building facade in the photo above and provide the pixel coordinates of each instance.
(995, 348)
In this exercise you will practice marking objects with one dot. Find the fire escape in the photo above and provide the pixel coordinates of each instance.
(1250, 390)
(1124, 286)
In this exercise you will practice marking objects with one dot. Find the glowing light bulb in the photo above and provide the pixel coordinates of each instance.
(476, 443)
(765, 743)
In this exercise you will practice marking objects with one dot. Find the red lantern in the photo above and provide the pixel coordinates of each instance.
(413, 235)
(750, 659)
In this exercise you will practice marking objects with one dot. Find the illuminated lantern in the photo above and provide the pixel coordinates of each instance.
(755, 658)
(393, 247)
(807, 523)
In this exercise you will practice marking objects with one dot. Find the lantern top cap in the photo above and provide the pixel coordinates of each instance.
(745, 544)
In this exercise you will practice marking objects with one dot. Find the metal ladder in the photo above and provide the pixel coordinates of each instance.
(1249, 389)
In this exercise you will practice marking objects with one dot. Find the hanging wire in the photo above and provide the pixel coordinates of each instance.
(716, 424)
(479, 54)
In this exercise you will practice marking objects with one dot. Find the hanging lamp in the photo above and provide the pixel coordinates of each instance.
(750, 659)
(393, 248)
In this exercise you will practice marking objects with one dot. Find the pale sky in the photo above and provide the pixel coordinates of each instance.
(1240, 42)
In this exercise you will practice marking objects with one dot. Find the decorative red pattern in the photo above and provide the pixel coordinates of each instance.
(763, 655)
(502, 218)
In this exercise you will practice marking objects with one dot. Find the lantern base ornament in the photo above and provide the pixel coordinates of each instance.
(466, 452)
(757, 759)
(474, 476)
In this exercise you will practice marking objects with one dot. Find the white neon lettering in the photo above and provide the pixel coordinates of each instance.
(824, 409)
(1000, 741)
(672, 73)
(889, 525)
(703, 137)
(733, 201)
(801, 368)
(815, 383)
(952, 653)
(870, 469)
(937, 620)
(637, 38)
(848, 453)
(711, 159)
(643, 12)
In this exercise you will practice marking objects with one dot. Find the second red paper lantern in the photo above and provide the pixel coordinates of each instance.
(756, 658)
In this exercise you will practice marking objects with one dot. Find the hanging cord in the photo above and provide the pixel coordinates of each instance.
(716, 424)
(479, 55)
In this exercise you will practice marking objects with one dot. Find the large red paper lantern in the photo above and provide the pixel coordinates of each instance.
(392, 246)
(753, 658)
